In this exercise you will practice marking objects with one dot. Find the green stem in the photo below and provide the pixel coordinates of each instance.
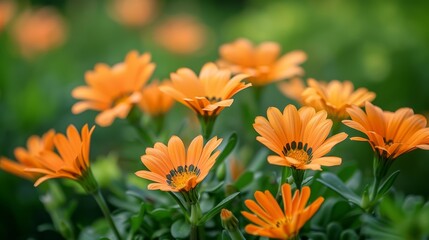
(284, 176)
(375, 189)
(207, 124)
(236, 235)
(184, 210)
(196, 231)
(103, 206)
(134, 120)
(298, 177)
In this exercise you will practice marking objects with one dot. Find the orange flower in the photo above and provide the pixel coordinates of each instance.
(114, 90)
(173, 169)
(335, 97)
(133, 13)
(293, 89)
(38, 31)
(72, 160)
(181, 35)
(269, 220)
(153, 101)
(298, 137)
(7, 8)
(207, 94)
(262, 62)
(29, 158)
(389, 134)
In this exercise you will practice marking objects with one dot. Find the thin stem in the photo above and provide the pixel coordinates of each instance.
(196, 231)
(207, 124)
(103, 206)
(284, 176)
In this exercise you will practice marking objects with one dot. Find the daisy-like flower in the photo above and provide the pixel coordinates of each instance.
(174, 169)
(114, 90)
(207, 94)
(269, 220)
(298, 137)
(261, 62)
(71, 161)
(28, 158)
(153, 101)
(335, 97)
(293, 89)
(390, 134)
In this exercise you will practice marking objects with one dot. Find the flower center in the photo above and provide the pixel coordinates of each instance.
(179, 178)
(214, 99)
(298, 151)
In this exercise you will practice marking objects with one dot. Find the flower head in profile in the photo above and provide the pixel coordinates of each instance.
(293, 89)
(335, 97)
(263, 62)
(181, 34)
(28, 158)
(38, 31)
(172, 168)
(207, 94)
(269, 220)
(153, 101)
(298, 137)
(114, 90)
(71, 159)
(390, 134)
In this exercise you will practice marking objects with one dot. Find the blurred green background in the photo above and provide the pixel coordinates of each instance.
(381, 45)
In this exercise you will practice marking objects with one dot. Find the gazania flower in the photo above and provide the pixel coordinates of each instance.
(28, 158)
(153, 101)
(335, 97)
(172, 168)
(7, 8)
(38, 31)
(390, 134)
(114, 90)
(293, 89)
(298, 137)
(269, 220)
(133, 13)
(72, 160)
(208, 93)
(181, 34)
(261, 62)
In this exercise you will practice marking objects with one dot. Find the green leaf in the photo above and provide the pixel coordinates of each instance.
(160, 232)
(137, 219)
(244, 180)
(180, 229)
(214, 188)
(216, 209)
(349, 234)
(334, 230)
(331, 181)
(230, 145)
(387, 184)
(161, 213)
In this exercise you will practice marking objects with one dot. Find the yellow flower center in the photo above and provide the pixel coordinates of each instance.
(179, 178)
(298, 151)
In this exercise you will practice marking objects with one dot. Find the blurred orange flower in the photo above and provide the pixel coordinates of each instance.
(72, 160)
(7, 9)
(335, 97)
(298, 137)
(29, 158)
(207, 94)
(181, 35)
(114, 90)
(153, 101)
(261, 62)
(293, 89)
(390, 134)
(174, 169)
(38, 31)
(133, 13)
(236, 168)
(269, 220)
